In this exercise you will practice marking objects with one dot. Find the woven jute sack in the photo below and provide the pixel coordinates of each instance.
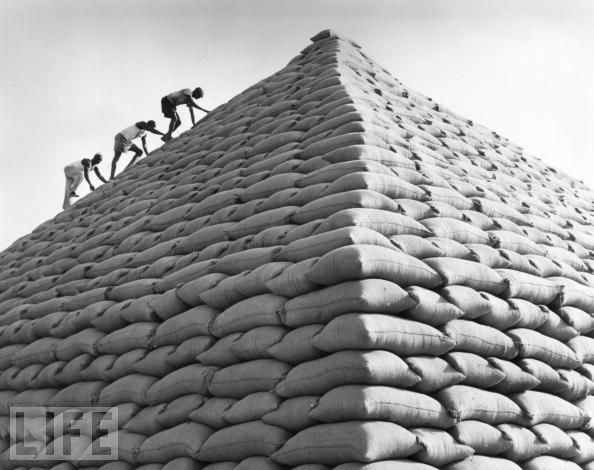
(242, 441)
(400, 406)
(334, 444)
(481, 462)
(184, 440)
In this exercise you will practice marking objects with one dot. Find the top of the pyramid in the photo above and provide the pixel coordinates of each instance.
(330, 33)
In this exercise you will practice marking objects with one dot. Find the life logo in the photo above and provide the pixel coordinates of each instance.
(77, 434)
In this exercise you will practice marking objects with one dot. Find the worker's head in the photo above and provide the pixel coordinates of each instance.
(97, 158)
(197, 93)
(146, 125)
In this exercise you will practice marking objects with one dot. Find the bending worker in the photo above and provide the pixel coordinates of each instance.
(172, 100)
(123, 142)
(74, 174)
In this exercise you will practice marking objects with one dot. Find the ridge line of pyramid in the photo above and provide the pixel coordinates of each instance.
(329, 34)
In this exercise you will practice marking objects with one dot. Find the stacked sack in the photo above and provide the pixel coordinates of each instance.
(329, 271)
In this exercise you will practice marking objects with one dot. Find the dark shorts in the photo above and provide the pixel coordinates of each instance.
(122, 145)
(168, 108)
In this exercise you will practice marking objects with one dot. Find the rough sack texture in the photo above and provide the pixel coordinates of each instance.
(328, 271)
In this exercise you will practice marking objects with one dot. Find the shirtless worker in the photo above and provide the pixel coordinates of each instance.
(124, 138)
(172, 100)
(74, 174)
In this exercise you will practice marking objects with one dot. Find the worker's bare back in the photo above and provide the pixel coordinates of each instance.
(183, 96)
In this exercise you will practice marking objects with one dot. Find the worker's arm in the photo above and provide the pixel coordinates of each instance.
(155, 131)
(192, 115)
(193, 104)
(86, 171)
(99, 175)
(143, 140)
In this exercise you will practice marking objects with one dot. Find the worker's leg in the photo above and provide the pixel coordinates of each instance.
(168, 109)
(121, 145)
(73, 180)
(76, 180)
(114, 162)
(177, 121)
(137, 154)
(172, 127)
(67, 191)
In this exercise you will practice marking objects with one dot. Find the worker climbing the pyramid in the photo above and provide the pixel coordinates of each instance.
(170, 102)
(124, 138)
(75, 172)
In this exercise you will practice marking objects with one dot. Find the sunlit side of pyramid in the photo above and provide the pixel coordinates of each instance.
(329, 271)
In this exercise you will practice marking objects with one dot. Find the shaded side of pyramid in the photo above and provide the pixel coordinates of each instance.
(328, 271)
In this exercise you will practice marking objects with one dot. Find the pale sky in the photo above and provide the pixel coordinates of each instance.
(76, 72)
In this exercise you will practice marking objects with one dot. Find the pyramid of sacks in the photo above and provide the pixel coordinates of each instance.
(328, 271)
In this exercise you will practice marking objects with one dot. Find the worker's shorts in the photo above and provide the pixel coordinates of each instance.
(71, 171)
(123, 145)
(168, 108)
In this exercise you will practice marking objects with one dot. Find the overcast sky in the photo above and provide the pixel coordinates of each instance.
(75, 72)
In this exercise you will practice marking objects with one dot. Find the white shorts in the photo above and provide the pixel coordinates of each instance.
(72, 171)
